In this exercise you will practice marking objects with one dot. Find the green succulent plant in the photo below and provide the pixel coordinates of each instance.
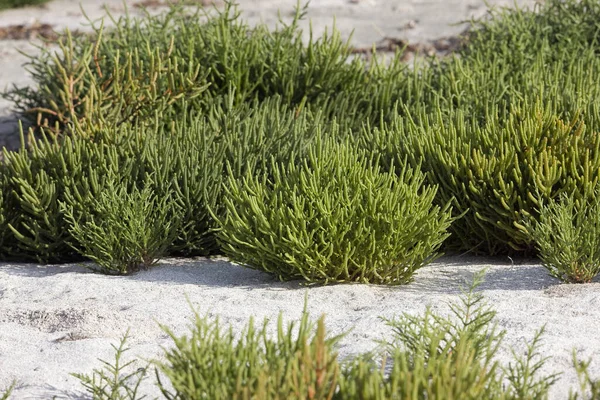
(333, 216)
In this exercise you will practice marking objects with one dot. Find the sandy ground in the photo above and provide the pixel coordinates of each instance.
(59, 319)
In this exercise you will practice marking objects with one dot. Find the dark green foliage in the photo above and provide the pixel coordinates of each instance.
(4, 4)
(333, 216)
(212, 364)
(438, 357)
(34, 184)
(567, 237)
(38, 179)
(183, 169)
(124, 231)
(512, 121)
(184, 161)
(112, 381)
(498, 172)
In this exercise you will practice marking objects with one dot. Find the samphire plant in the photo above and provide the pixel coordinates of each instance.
(143, 66)
(115, 381)
(333, 216)
(212, 363)
(436, 357)
(124, 230)
(511, 121)
(498, 172)
(183, 161)
(567, 237)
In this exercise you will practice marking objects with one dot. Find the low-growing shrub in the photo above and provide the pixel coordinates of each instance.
(513, 120)
(212, 364)
(93, 83)
(432, 356)
(567, 237)
(185, 161)
(124, 230)
(36, 180)
(497, 173)
(333, 216)
(144, 66)
(189, 157)
(516, 54)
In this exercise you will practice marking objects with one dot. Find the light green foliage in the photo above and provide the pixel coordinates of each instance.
(588, 387)
(124, 230)
(333, 216)
(112, 382)
(212, 364)
(516, 54)
(431, 356)
(186, 160)
(5, 4)
(567, 236)
(524, 383)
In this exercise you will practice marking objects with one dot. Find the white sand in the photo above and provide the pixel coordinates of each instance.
(59, 319)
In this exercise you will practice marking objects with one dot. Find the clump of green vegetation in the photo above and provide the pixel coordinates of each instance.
(510, 122)
(123, 230)
(567, 237)
(298, 364)
(145, 66)
(497, 173)
(333, 216)
(184, 164)
(431, 356)
(5, 4)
